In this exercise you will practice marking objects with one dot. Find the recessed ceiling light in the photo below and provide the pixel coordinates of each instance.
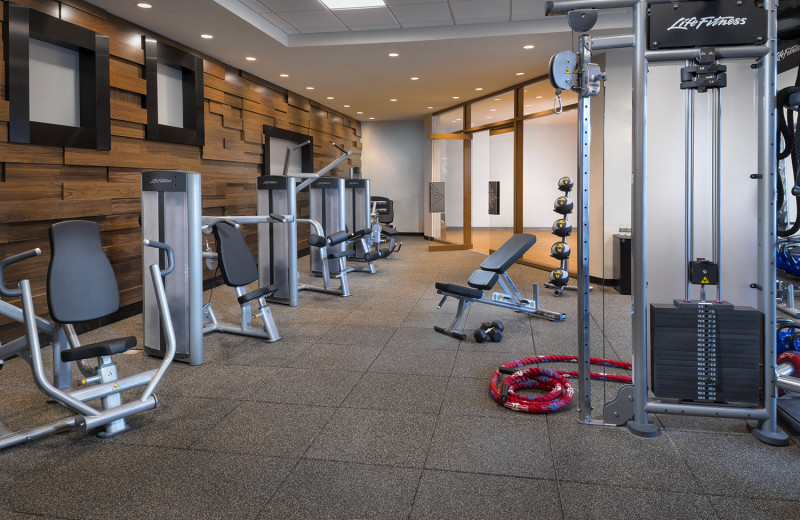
(393, 55)
(414, 78)
(493, 110)
(372, 118)
(144, 5)
(309, 88)
(393, 99)
(458, 119)
(456, 97)
(359, 112)
(527, 105)
(347, 106)
(284, 75)
(488, 117)
(352, 4)
(538, 97)
(498, 99)
(207, 36)
(527, 46)
(250, 58)
(430, 108)
(330, 97)
(454, 120)
(478, 88)
(520, 73)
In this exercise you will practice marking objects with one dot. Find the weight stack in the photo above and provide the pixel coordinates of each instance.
(710, 353)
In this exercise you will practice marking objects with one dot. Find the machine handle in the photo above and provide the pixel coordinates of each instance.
(11, 293)
(170, 254)
(339, 147)
(281, 218)
(297, 146)
(214, 221)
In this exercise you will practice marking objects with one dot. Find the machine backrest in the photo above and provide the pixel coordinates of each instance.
(81, 285)
(235, 259)
(385, 209)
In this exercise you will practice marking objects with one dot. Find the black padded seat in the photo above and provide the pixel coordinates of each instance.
(483, 280)
(101, 348)
(235, 259)
(316, 240)
(258, 293)
(459, 290)
(392, 232)
(341, 254)
(81, 285)
(507, 254)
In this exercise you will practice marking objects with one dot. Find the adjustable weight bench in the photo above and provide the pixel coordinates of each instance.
(492, 271)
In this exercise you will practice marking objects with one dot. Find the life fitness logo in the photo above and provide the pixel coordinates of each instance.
(684, 24)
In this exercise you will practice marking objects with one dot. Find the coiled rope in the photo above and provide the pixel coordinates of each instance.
(559, 391)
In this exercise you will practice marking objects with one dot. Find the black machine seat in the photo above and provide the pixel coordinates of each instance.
(459, 290)
(258, 293)
(235, 259)
(507, 254)
(483, 280)
(101, 348)
(384, 208)
(78, 268)
(341, 254)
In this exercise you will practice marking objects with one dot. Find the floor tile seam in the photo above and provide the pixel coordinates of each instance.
(361, 463)
(491, 474)
(547, 421)
(39, 515)
(698, 493)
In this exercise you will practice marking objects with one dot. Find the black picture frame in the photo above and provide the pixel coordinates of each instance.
(23, 24)
(191, 67)
(306, 152)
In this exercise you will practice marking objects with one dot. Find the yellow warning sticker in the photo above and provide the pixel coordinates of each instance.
(115, 387)
(704, 280)
(566, 71)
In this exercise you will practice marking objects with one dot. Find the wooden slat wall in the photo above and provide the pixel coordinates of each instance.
(40, 185)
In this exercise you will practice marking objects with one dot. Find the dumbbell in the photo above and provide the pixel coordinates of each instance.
(559, 277)
(565, 184)
(560, 251)
(563, 206)
(562, 228)
(492, 331)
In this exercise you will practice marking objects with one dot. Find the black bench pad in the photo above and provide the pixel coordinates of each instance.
(101, 348)
(511, 251)
(483, 280)
(258, 293)
(390, 232)
(459, 290)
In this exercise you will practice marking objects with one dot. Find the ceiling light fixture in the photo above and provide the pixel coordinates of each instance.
(479, 88)
(393, 55)
(456, 97)
(359, 112)
(250, 58)
(352, 4)
(538, 97)
(144, 5)
(393, 99)
(330, 97)
(284, 75)
(207, 36)
(520, 73)
(414, 78)
(309, 88)
(527, 46)
(372, 118)
(347, 106)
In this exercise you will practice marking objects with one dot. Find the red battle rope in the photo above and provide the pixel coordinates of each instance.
(559, 390)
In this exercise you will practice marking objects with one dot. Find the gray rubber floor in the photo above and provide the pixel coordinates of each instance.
(363, 411)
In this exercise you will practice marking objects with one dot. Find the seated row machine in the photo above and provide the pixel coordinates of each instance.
(81, 286)
(494, 270)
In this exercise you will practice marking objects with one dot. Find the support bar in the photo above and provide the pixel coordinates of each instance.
(610, 42)
(707, 410)
(739, 51)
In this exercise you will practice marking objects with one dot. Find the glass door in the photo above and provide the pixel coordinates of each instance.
(449, 189)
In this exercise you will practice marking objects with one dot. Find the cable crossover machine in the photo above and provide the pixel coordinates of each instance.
(705, 356)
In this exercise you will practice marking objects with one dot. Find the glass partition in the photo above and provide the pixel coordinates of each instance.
(493, 109)
(447, 176)
(550, 152)
(539, 97)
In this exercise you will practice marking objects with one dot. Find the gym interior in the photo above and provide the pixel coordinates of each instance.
(421, 259)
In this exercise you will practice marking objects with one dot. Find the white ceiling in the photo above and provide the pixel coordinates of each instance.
(453, 46)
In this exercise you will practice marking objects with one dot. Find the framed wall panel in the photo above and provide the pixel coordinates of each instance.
(163, 62)
(31, 33)
(272, 133)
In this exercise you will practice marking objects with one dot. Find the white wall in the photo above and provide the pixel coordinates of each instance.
(618, 156)
(492, 160)
(550, 153)
(394, 158)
